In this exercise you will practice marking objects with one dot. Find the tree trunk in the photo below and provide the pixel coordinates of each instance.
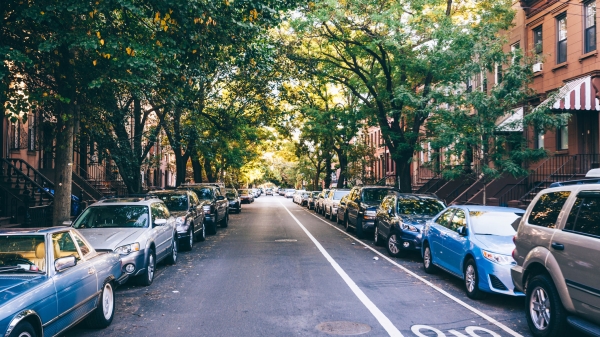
(328, 172)
(317, 175)
(180, 168)
(343, 158)
(403, 175)
(197, 167)
(83, 156)
(63, 172)
(208, 169)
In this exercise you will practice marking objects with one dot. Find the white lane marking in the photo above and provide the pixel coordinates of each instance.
(442, 291)
(383, 320)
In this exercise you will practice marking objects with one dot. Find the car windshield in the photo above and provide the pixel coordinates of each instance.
(20, 253)
(175, 202)
(493, 223)
(204, 193)
(419, 206)
(374, 195)
(230, 195)
(113, 216)
(337, 195)
(244, 192)
(315, 194)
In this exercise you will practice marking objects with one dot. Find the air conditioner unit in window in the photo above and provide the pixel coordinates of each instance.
(538, 67)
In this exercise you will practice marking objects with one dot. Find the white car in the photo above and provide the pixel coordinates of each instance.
(331, 203)
(298, 196)
(289, 193)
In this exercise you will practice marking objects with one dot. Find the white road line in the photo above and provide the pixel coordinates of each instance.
(383, 320)
(411, 273)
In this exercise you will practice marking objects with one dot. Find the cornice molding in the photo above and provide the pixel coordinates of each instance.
(536, 21)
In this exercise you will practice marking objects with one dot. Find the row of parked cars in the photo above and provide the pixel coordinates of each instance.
(549, 253)
(54, 278)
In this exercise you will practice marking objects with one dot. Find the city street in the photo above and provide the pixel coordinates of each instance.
(281, 270)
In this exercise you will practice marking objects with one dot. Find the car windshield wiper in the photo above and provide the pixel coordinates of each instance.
(10, 269)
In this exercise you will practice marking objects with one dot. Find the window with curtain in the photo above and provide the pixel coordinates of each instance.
(590, 26)
(537, 40)
(562, 138)
(561, 44)
(540, 140)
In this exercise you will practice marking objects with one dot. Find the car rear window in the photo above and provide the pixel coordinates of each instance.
(204, 193)
(175, 202)
(337, 195)
(493, 223)
(547, 208)
(374, 195)
(584, 215)
(419, 206)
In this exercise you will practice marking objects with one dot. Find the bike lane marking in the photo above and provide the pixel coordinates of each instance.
(440, 290)
(380, 316)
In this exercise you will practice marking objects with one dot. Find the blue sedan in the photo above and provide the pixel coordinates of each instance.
(475, 244)
(52, 279)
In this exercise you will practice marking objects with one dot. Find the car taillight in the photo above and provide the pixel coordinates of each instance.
(514, 254)
(515, 239)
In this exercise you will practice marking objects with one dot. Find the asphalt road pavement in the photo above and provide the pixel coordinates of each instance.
(281, 270)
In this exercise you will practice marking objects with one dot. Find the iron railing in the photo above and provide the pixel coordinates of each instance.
(34, 186)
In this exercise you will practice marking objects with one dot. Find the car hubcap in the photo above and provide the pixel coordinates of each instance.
(392, 244)
(191, 237)
(427, 257)
(539, 308)
(24, 334)
(174, 250)
(107, 301)
(203, 231)
(376, 234)
(470, 278)
(151, 268)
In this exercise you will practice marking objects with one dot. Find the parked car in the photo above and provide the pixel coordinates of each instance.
(400, 220)
(48, 273)
(319, 204)
(557, 253)
(246, 196)
(216, 206)
(235, 202)
(297, 197)
(189, 215)
(360, 207)
(289, 193)
(312, 199)
(330, 205)
(255, 193)
(269, 191)
(475, 244)
(142, 231)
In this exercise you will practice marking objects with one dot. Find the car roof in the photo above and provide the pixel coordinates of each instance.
(177, 191)
(482, 208)
(573, 188)
(40, 230)
(127, 201)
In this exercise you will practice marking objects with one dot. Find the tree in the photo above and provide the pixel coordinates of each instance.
(400, 59)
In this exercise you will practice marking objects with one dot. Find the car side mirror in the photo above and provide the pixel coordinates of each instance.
(462, 231)
(65, 263)
(67, 223)
(160, 222)
(220, 197)
(390, 212)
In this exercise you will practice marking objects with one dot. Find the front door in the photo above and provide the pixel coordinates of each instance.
(587, 132)
(454, 244)
(437, 230)
(576, 249)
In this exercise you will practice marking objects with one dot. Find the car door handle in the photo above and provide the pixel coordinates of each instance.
(558, 246)
(91, 271)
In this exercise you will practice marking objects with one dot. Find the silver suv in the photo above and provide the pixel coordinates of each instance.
(142, 231)
(558, 260)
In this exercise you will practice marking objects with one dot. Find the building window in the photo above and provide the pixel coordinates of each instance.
(561, 44)
(540, 140)
(590, 26)
(513, 49)
(562, 138)
(32, 127)
(537, 40)
(498, 74)
(15, 131)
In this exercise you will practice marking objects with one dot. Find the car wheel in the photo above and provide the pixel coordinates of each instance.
(331, 216)
(189, 243)
(337, 219)
(377, 238)
(103, 315)
(202, 236)
(471, 278)
(225, 221)
(392, 246)
(326, 214)
(428, 260)
(212, 228)
(172, 259)
(23, 329)
(545, 313)
(359, 229)
(146, 278)
(346, 223)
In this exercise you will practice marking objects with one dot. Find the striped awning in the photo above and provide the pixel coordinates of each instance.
(512, 122)
(578, 94)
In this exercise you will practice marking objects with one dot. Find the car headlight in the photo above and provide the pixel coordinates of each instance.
(180, 220)
(410, 228)
(128, 249)
(498, 258)
(369, 215)
(206, 209)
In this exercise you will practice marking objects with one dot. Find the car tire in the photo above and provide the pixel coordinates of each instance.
(360, 233)
(337, 220)
(377, 239)
(556, 319)
(392, 246)
(331, 216)
(346, 223)
(23, 329)
(147, 277)
(103, 315)
(202, 236)
(212, 228)
(471, 279)
(189, 243)
(326, 214)
(225, 221)
(428, 265)
(172, 258)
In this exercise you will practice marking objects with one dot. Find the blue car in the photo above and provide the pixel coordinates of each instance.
(52, 279)
(475, 244)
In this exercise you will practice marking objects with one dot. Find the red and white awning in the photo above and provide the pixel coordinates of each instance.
(578, 94)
